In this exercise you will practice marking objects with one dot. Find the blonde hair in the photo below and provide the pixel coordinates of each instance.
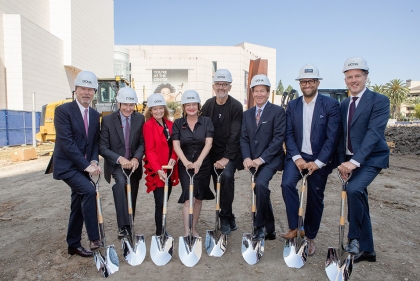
(148, 114)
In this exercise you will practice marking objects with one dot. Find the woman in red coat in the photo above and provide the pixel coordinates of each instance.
(158, 152)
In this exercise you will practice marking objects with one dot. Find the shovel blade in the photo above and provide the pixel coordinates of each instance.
(161, 249)
(338, 268)
(215, 243)
(111, 259)
(101, 264)
(134, 254)
(189, 250)
(294, 255)
(252, 250)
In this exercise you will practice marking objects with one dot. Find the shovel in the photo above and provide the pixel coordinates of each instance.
(252, 250)
(339, 263)
(295, 252)
(133, 245)
(190, 246)
(161, 246)
(109, 264)
(216, 241)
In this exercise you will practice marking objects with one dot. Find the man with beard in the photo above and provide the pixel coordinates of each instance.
(312, 134)
(226, 114)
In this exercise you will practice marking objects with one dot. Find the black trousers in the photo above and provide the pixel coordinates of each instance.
(158, 193)
(227, 189)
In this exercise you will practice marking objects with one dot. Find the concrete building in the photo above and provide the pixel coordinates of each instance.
(45, 43)
(193, 67)
(407, 108)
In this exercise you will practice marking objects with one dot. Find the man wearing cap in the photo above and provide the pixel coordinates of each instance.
(226, 114)
(75, 159)
(121, 145)
(362, 153)
(312, 134)
(263, 129)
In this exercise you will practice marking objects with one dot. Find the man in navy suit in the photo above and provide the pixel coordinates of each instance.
(76, 157)
(362, 151)
(312, 134)
(262, 138)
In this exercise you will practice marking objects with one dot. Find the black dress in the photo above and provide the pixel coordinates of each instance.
(192, 143)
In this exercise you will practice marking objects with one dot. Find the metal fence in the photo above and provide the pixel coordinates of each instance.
(16, 127)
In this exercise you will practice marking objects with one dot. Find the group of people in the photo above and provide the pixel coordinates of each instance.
(319, 135)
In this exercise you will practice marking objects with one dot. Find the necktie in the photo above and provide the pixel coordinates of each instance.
(257, 118)
(127, 139)
(351, 113)
(85, 120)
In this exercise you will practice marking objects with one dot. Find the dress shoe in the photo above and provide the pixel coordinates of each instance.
(352, 247)
(225, 227)
(123, 232)
(365, 256)
(270, 236)
(80, 252)
(232, 223)
(95, 245)
(258, 233)
(292, 234)
(311, 246)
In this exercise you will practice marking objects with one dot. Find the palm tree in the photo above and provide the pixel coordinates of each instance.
(377, 88)
(397, 92)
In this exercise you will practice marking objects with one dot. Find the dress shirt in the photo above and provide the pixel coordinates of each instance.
(82, 110)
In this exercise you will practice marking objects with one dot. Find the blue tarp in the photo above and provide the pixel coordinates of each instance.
(16, 127)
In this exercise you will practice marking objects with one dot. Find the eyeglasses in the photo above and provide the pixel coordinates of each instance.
(221, 85)
(310, 82)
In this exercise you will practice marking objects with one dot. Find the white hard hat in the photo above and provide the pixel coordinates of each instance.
(155, 100)
(127, 95)
(260, 79)
(86, 79)
(222, 75)
(190, 96)
(355, 63)
(309, 71)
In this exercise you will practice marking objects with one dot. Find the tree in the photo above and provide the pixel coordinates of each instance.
(288, 89)
(280, 88)
(377, 88)
(397, 92)
(417, 110)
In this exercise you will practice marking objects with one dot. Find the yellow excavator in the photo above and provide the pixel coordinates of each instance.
(104, 102)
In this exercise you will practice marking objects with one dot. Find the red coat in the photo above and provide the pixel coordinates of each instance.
(156, 154)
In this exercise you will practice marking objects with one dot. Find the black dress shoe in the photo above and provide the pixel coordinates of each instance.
(95, 245)
(270, 236)
(352, 247)
(365, 256)
(258, 233)
(80, 252)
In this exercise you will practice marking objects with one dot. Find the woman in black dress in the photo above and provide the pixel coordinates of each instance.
(192, 137)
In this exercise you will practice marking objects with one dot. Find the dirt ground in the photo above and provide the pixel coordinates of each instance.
(34, 210)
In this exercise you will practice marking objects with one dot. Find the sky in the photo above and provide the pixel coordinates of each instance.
(323, 32)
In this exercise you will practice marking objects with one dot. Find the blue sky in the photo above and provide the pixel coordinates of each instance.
(323, 32)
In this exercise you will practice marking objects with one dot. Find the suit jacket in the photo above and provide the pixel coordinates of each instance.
(325, 129)
(112, 144)
(266, 139)
(157, 153)
(367, 130)
(74, 150)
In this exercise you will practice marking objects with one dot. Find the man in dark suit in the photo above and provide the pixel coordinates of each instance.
(312, 134)
(76, 157)
(362, 151)
(121, 145)
(263, 128)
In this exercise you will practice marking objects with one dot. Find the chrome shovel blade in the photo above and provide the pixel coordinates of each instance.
(216, 243)
(161, 249)
(338, 269)
(134, 255)
(100, 264)
(111, 259)
(295, 255)
(189, 250)
(252, 251)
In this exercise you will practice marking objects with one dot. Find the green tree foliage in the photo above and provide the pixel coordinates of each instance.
(280, 88)
(289, 88)
(417, 110)
(397, 91)
(377, 88)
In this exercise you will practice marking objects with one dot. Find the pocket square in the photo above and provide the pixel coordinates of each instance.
(264, 122)
(321, 116)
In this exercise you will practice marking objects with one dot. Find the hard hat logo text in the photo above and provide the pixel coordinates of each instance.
(86, 81)
(352, 63)
(309, 71)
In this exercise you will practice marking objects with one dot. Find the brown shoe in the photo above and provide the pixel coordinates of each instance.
(80, 252)
(292, 234)
(311, 246)
(95, 245)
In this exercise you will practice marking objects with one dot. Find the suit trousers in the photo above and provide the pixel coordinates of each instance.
(314, 197)
(120, 195)
(360, 226)
(265, 215)
(159, 195)
(227, 189)
(83, 208)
